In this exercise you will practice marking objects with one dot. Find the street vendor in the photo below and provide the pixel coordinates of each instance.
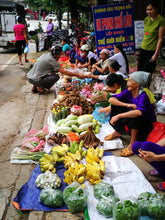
(153, 153)
(132, 109)
(43, 75)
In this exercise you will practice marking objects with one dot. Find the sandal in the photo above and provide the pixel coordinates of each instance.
(160, 186)
(26, 61)
(112, 136)
(34, 89)
(41, 91)
(153, 173)
(126, 152)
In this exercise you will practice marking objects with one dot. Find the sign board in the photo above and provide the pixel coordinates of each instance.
(139, 33)
(114, 24)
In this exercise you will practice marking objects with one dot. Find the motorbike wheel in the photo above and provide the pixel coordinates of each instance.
(162, 52)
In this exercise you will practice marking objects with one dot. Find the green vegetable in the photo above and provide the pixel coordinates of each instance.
(26, 155)
(103, 189)
(64, 129)
(152, 205)
(84, 127)
(70, 123)
(143, 202)
(52, 197)
(127, 210)
(75, 128)
(156, 207)
(71, 117)
(75, 198)
(105, 206)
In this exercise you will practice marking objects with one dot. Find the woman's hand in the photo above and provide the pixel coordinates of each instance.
(132, 106)
(147, 155)
(153, 58)
(114, 119)
(101, 110)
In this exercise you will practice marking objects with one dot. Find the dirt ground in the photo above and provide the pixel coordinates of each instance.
(20, 111)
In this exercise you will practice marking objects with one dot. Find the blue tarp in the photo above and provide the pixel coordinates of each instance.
(28, 196)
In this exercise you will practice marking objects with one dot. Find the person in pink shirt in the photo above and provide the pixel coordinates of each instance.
(21, 39)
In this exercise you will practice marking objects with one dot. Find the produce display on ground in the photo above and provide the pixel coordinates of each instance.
(76, 173)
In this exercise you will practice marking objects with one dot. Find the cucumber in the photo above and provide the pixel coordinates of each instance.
(71, 117)
(75, 128)
(84, 127)
(70, 122)
(85, 119)
(61, 121)
(64, 129)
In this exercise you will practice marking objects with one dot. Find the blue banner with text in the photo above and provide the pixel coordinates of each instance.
(114, 24)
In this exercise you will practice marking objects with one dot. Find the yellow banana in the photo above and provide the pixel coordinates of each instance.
(88, 160)
(100, 155)
(80, 179)
(97, 151)
(102, 166)
(54, 170)
(51, 167)
(81, 171)
(73, 156)
(49, 157)
(78, 156)
(46, 166)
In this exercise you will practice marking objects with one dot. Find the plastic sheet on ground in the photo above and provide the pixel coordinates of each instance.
(126, 178)
(28, 196)
(105, 129)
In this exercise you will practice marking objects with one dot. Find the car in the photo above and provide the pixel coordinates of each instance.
(51, 16)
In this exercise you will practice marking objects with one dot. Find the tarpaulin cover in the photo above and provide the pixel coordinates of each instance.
(28, 196)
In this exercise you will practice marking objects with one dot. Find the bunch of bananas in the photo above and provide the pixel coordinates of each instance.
(48, 161)
(76, 172)
(74, 146)
(95, 167)
(71, 158)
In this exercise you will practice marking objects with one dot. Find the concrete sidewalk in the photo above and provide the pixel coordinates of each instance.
(32, 111)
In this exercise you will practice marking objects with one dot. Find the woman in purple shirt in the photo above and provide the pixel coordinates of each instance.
(132, 109)
(49, 31)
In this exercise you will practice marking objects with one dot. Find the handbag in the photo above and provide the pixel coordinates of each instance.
(26, 49)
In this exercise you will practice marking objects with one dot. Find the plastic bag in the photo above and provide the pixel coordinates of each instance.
(40, 134)
(160, 106)
(105, 205)
(103, 189)
(101, 117)
(126, 210)
(26, 49)
(51, 197)
(75, 197)
(157, 133)
(98, 97)
(76, 110)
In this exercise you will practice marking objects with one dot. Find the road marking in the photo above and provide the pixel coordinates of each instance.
(7, 63)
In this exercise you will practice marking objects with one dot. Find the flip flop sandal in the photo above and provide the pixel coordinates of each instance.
(27, 61)
(153, 173)
(111, 137)
(126, 152)
(42, 91)
(160, 186)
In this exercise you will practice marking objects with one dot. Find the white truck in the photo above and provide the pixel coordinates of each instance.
(8, 12)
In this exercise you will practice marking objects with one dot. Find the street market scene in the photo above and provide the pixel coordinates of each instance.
(82, 110)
